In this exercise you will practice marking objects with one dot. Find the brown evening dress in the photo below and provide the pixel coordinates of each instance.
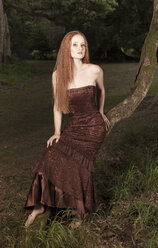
(64, 173)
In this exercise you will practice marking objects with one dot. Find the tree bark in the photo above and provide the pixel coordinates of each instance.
(5, 51)
(144, 77)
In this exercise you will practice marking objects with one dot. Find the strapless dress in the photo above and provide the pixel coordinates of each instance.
(68, 165)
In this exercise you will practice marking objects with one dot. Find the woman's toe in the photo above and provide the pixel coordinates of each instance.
(30, 220)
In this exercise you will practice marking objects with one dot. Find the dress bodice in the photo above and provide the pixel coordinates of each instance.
(82, 100)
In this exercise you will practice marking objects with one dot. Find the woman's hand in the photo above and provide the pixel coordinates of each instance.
(106, 121)
(52, 138)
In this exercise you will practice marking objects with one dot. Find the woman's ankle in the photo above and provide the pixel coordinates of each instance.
(39, 206)
(38, 209)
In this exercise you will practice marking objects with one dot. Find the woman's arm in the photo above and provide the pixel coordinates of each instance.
(57, 116)
(57, 121)
(100, 82)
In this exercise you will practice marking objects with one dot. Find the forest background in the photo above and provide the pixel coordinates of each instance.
(126, 169)
(115, 29)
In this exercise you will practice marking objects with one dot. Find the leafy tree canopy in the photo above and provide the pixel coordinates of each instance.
(110, 25)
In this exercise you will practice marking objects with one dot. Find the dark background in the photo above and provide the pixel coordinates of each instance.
(115, 29)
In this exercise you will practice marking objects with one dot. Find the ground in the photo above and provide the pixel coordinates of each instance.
(126, 166)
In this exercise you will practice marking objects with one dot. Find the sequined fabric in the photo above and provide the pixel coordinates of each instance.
(63, 175)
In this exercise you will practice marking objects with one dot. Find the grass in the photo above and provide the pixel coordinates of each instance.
(14, 74)
(60, 235)
(126, 169)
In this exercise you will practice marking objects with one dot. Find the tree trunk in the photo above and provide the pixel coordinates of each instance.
(144, 77)
(5, 51)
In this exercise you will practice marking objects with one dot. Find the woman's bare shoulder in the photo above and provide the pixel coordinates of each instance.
(94, 68)
(54, 73)
(54, 78)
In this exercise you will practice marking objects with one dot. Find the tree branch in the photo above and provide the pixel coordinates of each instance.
(144, 77)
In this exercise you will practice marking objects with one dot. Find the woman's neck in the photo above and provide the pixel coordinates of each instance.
(78, 64)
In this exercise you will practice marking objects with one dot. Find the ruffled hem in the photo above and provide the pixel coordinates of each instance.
(44, 192)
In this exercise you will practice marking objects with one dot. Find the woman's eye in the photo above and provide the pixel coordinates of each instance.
(74, 44)
(83, 45)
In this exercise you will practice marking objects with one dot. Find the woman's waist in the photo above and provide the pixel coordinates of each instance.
(83, 113)
(84, 120)
(84, 109)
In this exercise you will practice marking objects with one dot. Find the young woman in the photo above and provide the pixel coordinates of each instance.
(63, 176)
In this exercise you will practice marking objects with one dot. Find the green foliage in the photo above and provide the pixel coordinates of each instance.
(152, 242)
(35, 33)
(131, 24)
(113, 27)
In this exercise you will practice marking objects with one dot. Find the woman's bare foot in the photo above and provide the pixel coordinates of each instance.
(30, 220)
(75, 224)
(39, 209)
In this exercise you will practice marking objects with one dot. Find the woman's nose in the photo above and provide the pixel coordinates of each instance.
(80, 47)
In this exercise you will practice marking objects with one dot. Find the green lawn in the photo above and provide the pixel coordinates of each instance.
(126, 169)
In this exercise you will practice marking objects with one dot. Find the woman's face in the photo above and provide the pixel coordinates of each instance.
(78, 47)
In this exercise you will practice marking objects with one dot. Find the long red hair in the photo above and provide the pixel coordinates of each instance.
(64, 70)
